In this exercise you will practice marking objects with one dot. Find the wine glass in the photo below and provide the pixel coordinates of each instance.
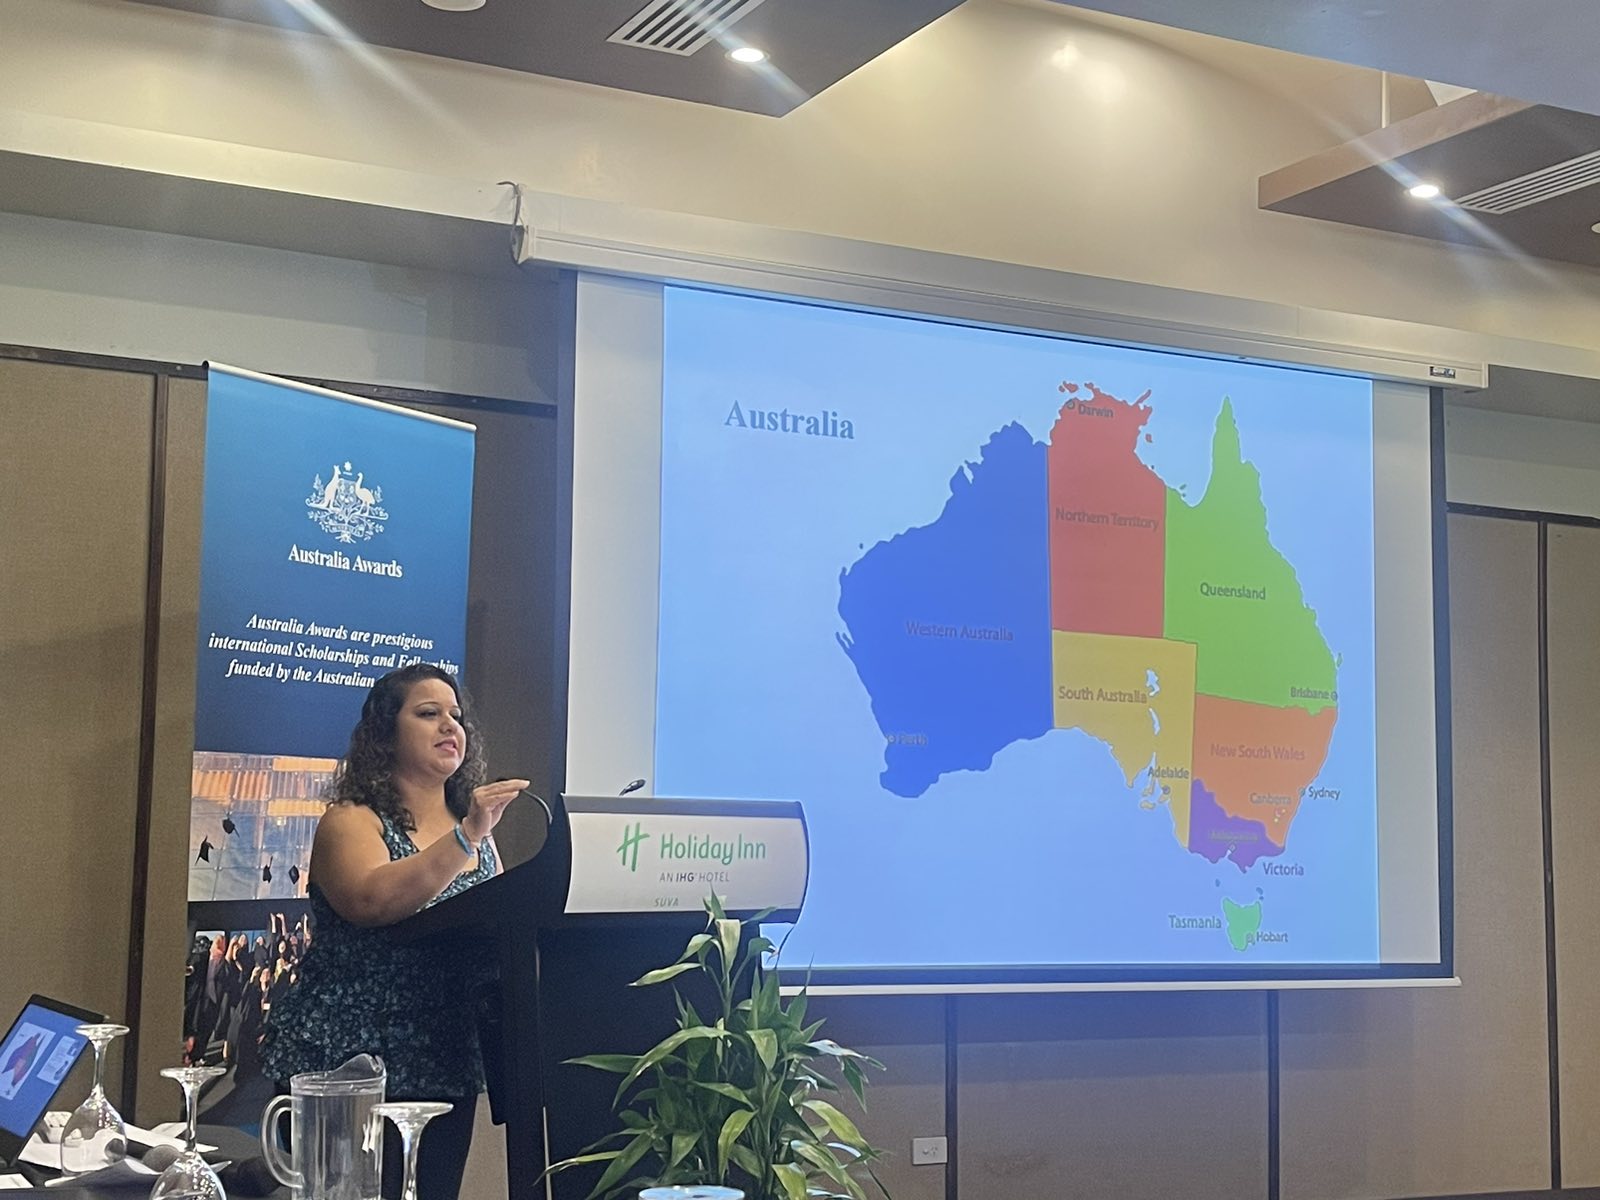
(409, 1117)
(190, 1175)
(95, 1137)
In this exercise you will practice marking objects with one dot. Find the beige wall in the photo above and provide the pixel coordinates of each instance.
(99, 290)
(1574, 665)
(1418, 1093)
(1024, 133)
(1513, 460)
(1098, 1096)
(74, 522)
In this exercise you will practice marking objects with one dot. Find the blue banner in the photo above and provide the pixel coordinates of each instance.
(335, 548)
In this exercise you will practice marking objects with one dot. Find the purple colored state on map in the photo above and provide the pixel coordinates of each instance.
(1214, 835)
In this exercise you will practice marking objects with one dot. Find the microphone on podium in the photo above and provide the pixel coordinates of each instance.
(549, 815)
(633, 786)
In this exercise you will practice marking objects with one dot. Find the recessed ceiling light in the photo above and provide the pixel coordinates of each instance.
(454, 5)
(748, 55)
(1595, 228)
(1423, 191)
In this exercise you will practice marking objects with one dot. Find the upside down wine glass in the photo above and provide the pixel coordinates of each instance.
(409, 1117)
(189, 1175)
(95, 1137)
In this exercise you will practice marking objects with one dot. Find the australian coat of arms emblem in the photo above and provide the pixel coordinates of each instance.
(345, 506)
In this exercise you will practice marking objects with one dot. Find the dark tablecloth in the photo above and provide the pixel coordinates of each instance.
(232, 1144)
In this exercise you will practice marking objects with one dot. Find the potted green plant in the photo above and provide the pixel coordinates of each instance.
(738, 1099)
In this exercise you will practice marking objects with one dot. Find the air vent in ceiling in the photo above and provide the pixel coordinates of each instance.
(1544, 184)
(680, 26)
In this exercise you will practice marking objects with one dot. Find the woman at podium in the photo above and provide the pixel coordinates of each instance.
(409, 822)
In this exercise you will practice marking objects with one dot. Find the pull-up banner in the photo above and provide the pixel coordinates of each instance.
(335, 548)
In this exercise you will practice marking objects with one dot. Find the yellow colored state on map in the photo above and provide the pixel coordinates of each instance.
(1135, 694)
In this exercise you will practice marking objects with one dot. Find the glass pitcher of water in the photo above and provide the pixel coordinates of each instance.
(335, 1139)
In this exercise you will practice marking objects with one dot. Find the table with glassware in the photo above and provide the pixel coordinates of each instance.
(334, 1124)
(232, 1145)
(94, 1143)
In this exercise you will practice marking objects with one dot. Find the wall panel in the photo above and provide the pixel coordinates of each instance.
(905, 1099)
(510, 598)
(1140, 1096)
(1574, 658)
(1437, 1092)
(165, 948)
(74, 521)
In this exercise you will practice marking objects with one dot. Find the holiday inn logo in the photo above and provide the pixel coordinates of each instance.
(628, 851)
(691, 847)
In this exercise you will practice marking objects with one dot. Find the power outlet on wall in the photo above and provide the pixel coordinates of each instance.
(929, 1151)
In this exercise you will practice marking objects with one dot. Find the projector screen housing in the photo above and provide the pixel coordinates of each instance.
(647, 354)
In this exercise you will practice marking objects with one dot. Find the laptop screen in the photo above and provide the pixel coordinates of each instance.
(34, 1058)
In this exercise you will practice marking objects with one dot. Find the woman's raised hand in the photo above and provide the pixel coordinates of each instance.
(488, 803)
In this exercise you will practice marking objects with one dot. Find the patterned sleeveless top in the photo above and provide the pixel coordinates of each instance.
(361, 990)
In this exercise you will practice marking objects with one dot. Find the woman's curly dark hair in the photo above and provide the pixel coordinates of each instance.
(364, 775)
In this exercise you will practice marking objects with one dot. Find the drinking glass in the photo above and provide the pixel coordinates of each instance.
(190, 1175)
(95, 1137)
(409, 1117)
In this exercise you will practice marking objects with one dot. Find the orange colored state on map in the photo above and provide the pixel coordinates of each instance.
(1258, 760)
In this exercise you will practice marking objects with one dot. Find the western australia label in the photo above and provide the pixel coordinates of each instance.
(971, 633)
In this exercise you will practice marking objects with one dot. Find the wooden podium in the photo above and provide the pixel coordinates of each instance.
(616, 890)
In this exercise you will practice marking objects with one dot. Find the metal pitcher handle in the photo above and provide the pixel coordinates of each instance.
(281, 1168)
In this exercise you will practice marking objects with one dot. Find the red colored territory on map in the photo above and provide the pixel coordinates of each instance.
(1107, 519)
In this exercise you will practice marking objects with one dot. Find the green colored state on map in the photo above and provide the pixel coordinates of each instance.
(1243, 922)
(1233, 595)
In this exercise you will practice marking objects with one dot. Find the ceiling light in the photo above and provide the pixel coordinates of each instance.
(1423, 191)
(1067, 57)
(748, 55)
(1595, 228)
(454, 5)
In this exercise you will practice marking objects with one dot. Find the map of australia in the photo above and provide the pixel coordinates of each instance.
(1066, 585)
